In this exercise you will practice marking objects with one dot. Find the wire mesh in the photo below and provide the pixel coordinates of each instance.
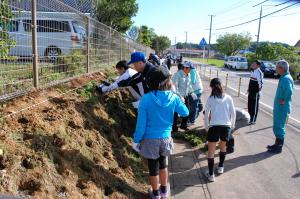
(69, 43)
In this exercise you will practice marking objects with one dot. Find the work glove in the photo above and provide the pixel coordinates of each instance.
(136, 147)
(194, 96)
(105, 83)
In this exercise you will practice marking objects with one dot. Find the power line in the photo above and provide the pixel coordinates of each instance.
(258, 17)
(260, 3)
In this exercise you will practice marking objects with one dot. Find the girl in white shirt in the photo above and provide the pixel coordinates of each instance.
(219, 120)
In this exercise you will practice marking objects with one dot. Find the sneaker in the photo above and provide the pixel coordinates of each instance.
(164, 195)
(210, 178)
(220, 170)
(152, 196)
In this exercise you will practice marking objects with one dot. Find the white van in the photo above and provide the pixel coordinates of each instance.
(56, 36)
(236, 63)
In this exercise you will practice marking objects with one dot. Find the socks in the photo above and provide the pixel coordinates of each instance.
(222, 159)
(163, 189)
(155, 192)
(211, 162)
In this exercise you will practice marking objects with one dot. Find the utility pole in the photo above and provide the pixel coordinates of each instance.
(211, 17)
(185, 43)
(175, 44)
(258, 33)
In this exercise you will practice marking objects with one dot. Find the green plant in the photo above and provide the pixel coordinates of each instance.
(5, 24)
(195, 138)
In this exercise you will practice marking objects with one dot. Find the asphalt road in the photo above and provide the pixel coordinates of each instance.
(252, 172)
(268, 91)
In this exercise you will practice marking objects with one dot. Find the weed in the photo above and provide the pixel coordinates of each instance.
(195, 138)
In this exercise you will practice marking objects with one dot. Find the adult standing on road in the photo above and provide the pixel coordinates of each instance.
(196, 106)
(219, 119)
(282, 105)
(254, 90)
(183, 87)
(169, 62)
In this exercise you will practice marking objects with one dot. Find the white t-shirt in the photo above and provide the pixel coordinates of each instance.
(219, 112)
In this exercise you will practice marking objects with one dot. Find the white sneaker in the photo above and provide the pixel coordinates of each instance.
(220, 170)
(210, 178)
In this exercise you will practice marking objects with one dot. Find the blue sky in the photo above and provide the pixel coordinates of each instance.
(173, 17)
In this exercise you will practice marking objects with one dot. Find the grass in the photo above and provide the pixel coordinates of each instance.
(214, 62)
(195, 137)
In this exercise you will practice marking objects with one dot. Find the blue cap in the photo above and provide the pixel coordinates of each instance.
(136, 57)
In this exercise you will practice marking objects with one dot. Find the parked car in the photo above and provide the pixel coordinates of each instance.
(268, 68)
(298, 76)
(55, 36)
(236, 63)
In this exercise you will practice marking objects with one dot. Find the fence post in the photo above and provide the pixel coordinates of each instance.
(226, 82)
(239, 91)
(217, 73)
(109, 48)
(88, 45)
(209, 74)
(35, 71)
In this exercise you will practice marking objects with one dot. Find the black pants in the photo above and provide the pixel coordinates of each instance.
(183, 124)
(253, 105)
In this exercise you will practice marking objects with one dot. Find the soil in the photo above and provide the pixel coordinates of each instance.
(76, 145)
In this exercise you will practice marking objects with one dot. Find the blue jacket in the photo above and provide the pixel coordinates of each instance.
(284, 92)
(156, 114)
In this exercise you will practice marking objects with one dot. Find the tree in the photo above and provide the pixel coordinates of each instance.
(5, 24)
(160, 43)
(266, 51)
(116, 13)
(231, 44)
(144, 36)
(133, 32)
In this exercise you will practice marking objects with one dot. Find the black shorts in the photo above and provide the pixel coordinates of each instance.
(216, 133)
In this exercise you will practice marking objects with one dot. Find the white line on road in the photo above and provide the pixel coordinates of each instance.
(268, 106)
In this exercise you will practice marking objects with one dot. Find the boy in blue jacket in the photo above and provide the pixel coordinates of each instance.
(152, 137)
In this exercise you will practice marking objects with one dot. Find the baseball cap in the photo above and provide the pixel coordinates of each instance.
(136, 57)
(188, 64)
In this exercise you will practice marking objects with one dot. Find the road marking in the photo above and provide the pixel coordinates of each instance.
(266, 105)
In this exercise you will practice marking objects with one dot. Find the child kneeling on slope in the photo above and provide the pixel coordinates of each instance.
(152, 137)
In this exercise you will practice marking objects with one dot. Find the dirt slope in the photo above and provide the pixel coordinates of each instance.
(75, 146)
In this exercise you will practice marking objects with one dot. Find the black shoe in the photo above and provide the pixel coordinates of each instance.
(274, 145)
(184, 128)
(229, 150)
(277, 149)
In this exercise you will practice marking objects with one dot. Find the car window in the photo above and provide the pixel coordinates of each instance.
(241, 59)
(269, 64)
(48, 26)
(13, 26)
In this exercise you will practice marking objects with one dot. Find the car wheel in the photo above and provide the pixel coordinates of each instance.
(53, 54)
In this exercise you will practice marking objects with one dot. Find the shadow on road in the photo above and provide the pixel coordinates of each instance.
(257, 130)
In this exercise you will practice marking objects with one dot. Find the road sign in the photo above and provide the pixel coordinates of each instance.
(203, 43)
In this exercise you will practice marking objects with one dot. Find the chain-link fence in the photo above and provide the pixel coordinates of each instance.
(46, 42)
